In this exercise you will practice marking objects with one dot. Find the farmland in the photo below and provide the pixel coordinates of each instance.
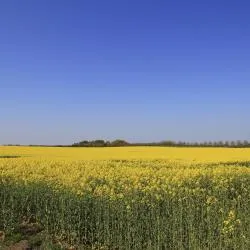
(127, 153)
(129, 197)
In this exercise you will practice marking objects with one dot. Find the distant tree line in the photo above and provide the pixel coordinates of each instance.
(101, 143)
(122, 143)
(168, 143)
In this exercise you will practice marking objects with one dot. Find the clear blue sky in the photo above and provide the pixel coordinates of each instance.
(138, 70)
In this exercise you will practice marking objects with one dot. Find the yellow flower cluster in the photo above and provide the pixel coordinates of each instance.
(129, 153)
(116, 179)
(158, 203)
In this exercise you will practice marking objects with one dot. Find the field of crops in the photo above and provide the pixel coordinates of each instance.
(129, 198)
(127, 153)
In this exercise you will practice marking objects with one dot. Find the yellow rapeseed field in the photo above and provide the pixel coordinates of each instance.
(169, 153)
(130, 197)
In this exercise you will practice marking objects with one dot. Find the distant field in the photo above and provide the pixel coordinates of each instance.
(169, 153)
(125, 198)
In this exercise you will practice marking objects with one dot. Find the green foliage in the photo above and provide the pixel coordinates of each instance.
(101, 143)
(166, 143)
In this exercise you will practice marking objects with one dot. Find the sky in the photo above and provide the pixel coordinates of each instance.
(139, 70)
